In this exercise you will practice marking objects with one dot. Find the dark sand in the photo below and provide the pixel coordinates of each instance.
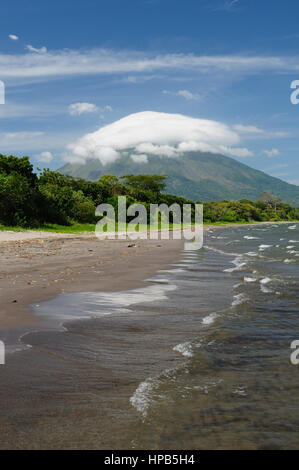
(32, 271)
(60, 394)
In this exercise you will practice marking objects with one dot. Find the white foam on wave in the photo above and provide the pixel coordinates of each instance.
(238, 262)
(209, 319)
(293, 241)
(264, 247)
(290, 247)
(287, 260)
(96, 304)
(249, 237)
(263, 283)
(265, 289)
(251, 253)
(158, 280)
(240, 391)
(235, 286)
(250, 279)
(146, 393)
(219, 251)
(141, 399)
(184, 348)
(239, 299)
(292, 227)
(265, 280)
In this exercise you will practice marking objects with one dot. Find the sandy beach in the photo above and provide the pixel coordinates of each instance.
(37, 269)
(36, 266)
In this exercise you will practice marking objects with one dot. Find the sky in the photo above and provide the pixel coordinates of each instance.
(88, 79)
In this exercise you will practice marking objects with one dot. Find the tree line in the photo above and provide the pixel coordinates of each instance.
(31, 199)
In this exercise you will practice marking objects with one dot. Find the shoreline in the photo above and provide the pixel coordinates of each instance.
(91, 372)
(92, 384)
(33, 271)
(38, 266)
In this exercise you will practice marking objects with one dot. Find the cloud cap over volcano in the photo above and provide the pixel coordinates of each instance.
(154, 133)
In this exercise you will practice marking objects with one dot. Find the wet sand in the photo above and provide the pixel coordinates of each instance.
(71, 390)
(34, 270)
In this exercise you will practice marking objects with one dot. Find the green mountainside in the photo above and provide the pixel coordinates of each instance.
(195, 175)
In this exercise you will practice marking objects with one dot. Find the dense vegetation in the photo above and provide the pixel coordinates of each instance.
(28, 199)
(195, 175)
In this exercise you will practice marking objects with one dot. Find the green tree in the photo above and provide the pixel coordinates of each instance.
(154, 183)
(269, 199)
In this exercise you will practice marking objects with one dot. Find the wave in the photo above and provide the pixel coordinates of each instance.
(141, 399)
(263, 283)
(238, 262)
(264, 247)
(209, 319)
(220, 251)
(252, 253)
(266, 280)
(184, 348)
(239, 299)
(172, 271)
(265, 289)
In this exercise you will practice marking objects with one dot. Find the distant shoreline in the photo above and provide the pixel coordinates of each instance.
(21, 233)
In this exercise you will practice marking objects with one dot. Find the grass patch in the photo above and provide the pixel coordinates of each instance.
(76, 228)
(81, 229)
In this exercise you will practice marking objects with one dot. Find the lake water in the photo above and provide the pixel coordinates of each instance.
(197, 359)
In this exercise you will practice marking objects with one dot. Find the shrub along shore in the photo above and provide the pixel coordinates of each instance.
(51, 201)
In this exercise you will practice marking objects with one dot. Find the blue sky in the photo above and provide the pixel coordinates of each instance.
(72, 67)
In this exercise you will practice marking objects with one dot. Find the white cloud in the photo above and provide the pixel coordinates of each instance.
(188, 95)
(62, 63)
(162, 150)
(293, 181)
(13, 37)
(253, 131)
(27, 143)
(139, 158)
(21, 135)
(153, 133)
(248, 129)
(184, 93)
(42, 50)
(271, 153)
(228, 5)
(76, 109)
(44, 157)
(237, 152)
